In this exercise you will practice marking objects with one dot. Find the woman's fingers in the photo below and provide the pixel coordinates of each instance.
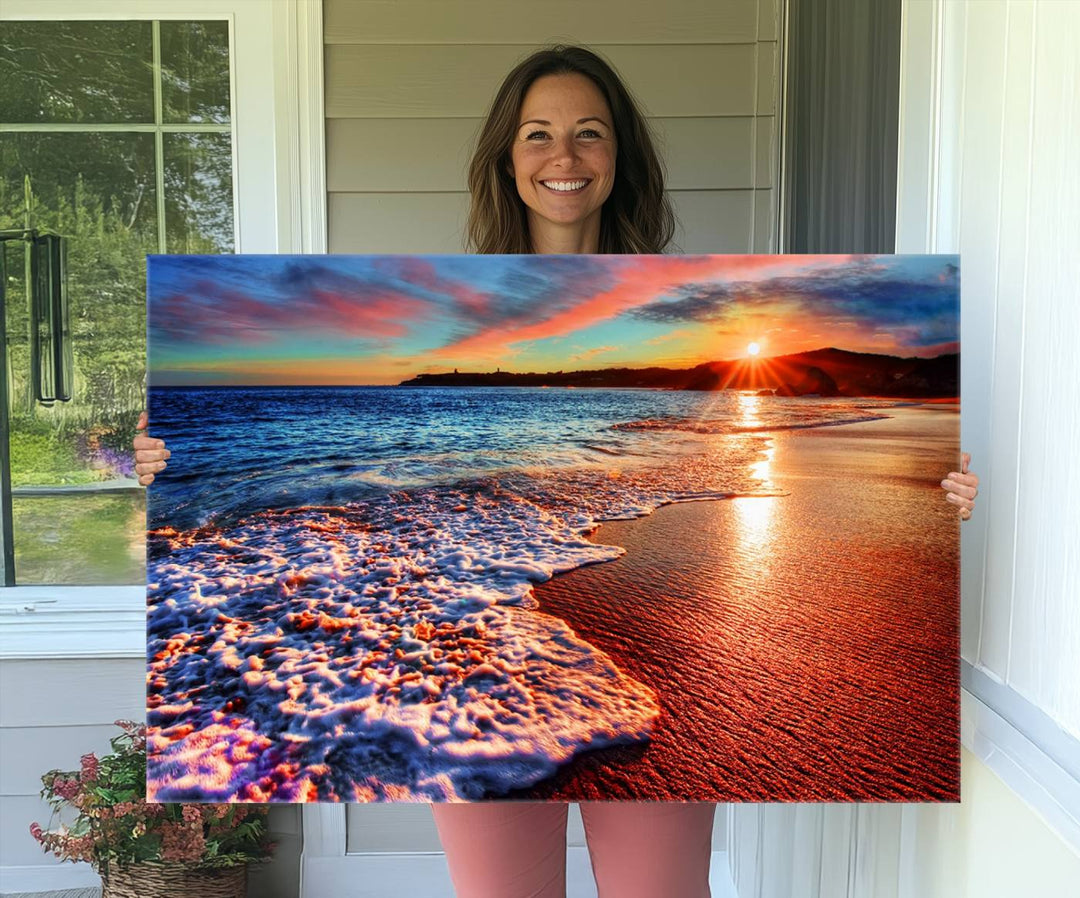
(961, 488)
(963, 501)
(148, 455)
(142, 442)
(963, 485)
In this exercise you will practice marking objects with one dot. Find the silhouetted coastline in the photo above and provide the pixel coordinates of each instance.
(821, 372)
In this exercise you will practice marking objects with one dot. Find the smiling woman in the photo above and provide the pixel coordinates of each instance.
(560, 118)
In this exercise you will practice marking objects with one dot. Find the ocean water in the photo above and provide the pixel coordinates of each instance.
(239, 450)
(340, 579)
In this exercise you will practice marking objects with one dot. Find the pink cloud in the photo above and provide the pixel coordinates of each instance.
(419, 271)
(642, 280)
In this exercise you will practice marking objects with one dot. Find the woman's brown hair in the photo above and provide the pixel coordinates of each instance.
(637, 216)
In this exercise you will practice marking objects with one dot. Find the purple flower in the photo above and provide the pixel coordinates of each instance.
(115, 462)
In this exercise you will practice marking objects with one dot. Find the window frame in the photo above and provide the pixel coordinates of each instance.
(277, 121)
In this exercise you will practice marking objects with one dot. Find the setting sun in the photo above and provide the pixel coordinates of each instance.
(753, 349)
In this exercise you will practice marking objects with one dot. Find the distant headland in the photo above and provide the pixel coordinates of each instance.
(821, 372)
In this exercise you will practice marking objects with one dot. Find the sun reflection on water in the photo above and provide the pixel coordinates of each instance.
(749, 404)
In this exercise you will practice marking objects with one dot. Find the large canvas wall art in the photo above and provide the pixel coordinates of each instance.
(446, 528)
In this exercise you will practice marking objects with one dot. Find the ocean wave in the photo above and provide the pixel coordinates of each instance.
(728, 425)
(391, 649)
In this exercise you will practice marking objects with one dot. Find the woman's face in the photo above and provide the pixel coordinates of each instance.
(563, 154)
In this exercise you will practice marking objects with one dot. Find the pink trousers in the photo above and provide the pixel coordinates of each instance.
(518, 849)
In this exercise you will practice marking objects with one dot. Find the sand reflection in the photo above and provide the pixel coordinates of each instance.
(755, 516)
(754, 531)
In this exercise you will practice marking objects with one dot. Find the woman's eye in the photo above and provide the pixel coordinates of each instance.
(536, 134)
(589, 132)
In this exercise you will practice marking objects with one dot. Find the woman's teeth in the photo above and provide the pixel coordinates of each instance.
(564, 186)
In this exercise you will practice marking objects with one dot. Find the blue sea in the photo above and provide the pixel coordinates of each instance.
(239, 450)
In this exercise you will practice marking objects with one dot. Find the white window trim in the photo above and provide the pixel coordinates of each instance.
(280, 202)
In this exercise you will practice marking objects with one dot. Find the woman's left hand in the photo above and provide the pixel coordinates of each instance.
(961, 488)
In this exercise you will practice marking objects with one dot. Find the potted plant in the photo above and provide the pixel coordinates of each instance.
(143, 848)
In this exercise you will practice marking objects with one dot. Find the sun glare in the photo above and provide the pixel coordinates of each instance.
(753, 349)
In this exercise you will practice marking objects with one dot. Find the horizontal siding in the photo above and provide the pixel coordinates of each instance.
(395, 155)
(523, 22)
(53, 712)
(407, 85)
(764, 142)
(709, 221)
(768, 24)
(398, 155)
(396, 222)
(75, 692)
(17, 846)
(375, 81)
(713, 221)
(27, 752)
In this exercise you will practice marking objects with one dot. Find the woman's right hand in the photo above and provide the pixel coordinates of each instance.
(150, 454)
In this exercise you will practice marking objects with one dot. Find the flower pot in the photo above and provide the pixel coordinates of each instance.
(173, 880)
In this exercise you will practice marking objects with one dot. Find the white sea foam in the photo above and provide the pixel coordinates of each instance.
(392, 649)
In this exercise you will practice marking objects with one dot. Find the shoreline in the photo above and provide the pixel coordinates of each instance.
(754, 707)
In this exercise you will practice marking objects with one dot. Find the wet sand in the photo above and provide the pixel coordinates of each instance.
(803, 647)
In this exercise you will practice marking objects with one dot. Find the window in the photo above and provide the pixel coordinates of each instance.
(117, 135)
(279, 206)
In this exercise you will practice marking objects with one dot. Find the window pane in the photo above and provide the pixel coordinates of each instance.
(81, 539)
(112, 174)
(198, 193)
(195, 71)
(76, 72)
(98, 191)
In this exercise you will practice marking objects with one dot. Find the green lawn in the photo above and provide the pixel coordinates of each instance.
(81, 538)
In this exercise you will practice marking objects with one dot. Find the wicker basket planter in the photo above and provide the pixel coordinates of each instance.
(171, 880)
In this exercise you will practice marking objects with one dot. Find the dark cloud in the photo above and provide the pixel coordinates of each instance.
(925, 305)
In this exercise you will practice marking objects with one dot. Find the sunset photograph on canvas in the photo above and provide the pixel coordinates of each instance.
(463, 528)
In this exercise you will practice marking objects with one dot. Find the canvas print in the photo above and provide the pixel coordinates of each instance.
(460, 528)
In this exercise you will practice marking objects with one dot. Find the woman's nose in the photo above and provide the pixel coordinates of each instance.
(564, 150)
